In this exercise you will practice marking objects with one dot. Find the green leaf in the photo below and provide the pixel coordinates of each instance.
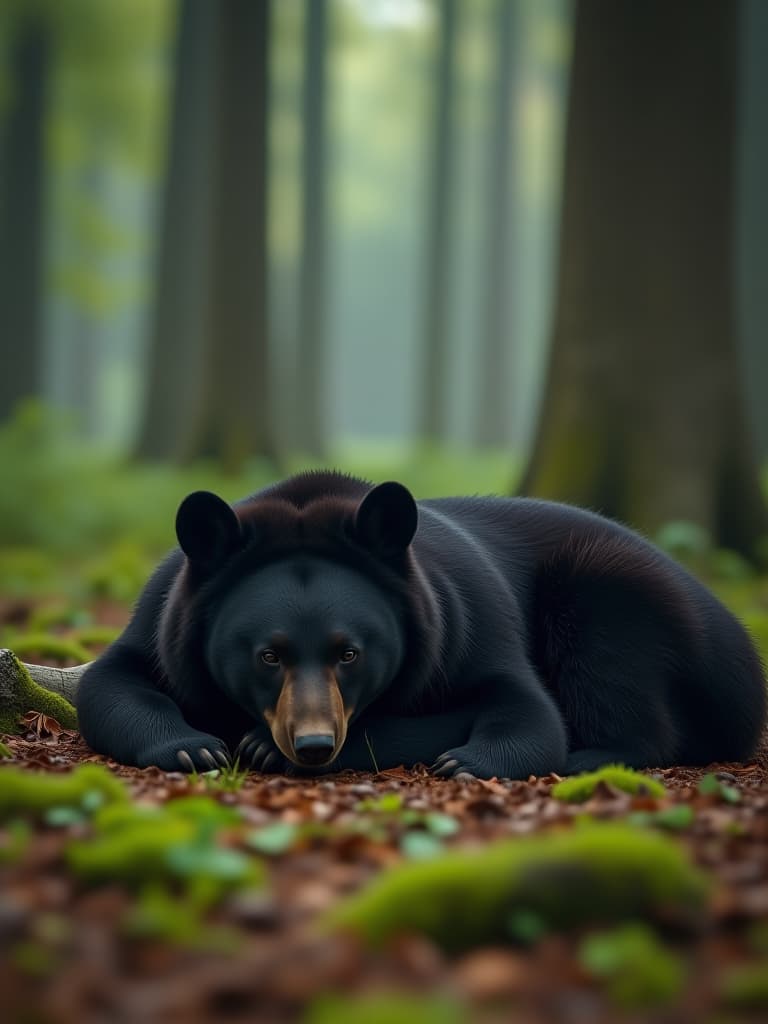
(210, 861)
(418, 845)
(709, 785)
(441, 824)
(526, 927)
(61, 817)
(676, 817)
(273, 839)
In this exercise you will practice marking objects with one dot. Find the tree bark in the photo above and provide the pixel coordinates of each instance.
(440, 233)
(21, 216)
(753, 213)
(643, 416)
(309, 413)
(492, 415)
(233, 419)
(182, 262)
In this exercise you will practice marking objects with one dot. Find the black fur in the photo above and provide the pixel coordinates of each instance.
(506, 637)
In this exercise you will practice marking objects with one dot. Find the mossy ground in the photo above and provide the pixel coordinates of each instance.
(593, 874)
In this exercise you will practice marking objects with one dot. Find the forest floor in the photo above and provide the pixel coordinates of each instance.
(64, 956)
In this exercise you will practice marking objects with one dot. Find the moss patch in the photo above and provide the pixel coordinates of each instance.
(599, 873)
(636, 969)
(21, 694)
(61, 648)
(29, 794)
(140, 844)
(746, 987)
(385, 1009)
(581, 787)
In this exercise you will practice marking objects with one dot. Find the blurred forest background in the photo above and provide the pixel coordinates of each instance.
(477, 245)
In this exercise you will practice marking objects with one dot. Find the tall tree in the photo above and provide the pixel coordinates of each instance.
(309, 412)
(21, 212)
(440, 231)
(643, 414)
(753, 212)
(232, 419)
(182, 262)
(491, 420)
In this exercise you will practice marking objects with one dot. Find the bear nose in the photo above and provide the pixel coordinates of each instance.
(316, 748)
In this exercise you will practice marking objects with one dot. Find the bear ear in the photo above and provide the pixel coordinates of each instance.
(207, 528)
(386, 519)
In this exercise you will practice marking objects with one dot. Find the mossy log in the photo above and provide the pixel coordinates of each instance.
(36, 688)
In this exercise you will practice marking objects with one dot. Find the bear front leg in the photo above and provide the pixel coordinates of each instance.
(123, 714)
(517, 731)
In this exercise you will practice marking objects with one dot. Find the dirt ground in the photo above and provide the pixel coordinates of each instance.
(64, 960)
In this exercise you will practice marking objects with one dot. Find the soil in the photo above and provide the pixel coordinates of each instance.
(63, 959)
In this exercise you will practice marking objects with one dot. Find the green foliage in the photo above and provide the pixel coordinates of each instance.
(676, 818)
(637, 969)
(5, 750)
(14, 839)
(745, 987)
(419, 834)
(176, 842)
(160, 915)
(594, 874)
(710, 785)
(49, 646)
(32, 794)
(581, 787)
(385, 1009)
(26, 695)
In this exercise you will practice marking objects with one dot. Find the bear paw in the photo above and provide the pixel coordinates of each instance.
(258, 753)
(199, 752)
(466, 760)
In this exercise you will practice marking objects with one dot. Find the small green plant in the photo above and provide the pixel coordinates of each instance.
(745, 987)
(581, 787)
(675, 818)
(710, 785)
(176, 842)
(637, 970)
(32, 794)
(385, 1009)
(48, 646)
(598, 873)
(159, 914)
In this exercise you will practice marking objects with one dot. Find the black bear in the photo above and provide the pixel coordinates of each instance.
(325, 623)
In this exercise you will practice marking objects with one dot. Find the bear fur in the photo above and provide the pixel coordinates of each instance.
(324, 623)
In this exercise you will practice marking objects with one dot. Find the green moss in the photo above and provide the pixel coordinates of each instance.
(599, 873)
(27, 695)
(745, 987)
(89, 786)
(581, 787)
(137, 844)
(162, 916)
(61, 648)
(5, 750)
(385, 1009)
(95, 636)
(638, 971)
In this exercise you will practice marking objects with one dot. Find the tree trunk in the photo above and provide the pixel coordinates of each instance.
(308, 419)
(233, 420)
(183, 263)
(21, 216)
(492, 417)
(753, 213)
(440, 233)
(643, 416)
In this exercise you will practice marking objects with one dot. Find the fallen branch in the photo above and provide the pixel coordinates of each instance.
(36, 688)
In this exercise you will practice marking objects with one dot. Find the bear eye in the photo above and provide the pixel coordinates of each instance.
(269, 657)
(348, 655)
